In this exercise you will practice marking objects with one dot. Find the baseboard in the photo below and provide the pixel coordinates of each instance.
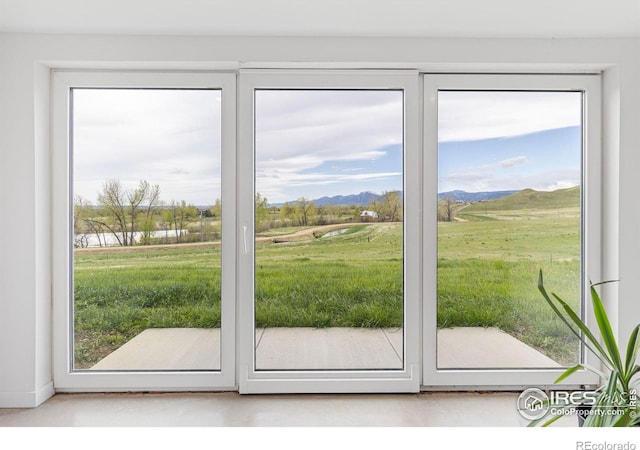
(26, 399)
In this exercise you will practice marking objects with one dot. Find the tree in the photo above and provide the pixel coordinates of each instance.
(287, 213)
(261, 210)
(165, 223)
(85, 222)
(126, 208)
(81, 210)
(389, 207)
(148, 225)
(216, 210)
(178, 216)
(305, 211)
(446, 209)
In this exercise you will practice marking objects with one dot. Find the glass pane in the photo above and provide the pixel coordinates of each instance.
(509, 204)
(329, 230)
(146, 229)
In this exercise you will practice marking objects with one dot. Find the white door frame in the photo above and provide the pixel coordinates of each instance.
(66, 379)
(254, 381)
(420, 231)
(435, 378)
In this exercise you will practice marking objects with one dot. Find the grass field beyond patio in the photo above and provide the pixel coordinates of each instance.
(487, 272)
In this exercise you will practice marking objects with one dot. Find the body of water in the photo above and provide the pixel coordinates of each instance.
(109, 240)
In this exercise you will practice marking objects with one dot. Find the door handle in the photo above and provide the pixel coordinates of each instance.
(244, 239)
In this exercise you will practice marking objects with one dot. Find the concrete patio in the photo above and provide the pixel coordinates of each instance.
(322, 348)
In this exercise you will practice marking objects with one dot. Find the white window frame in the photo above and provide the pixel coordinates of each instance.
(406, 379)
(420, 231)
(66, 379)
(589, 84)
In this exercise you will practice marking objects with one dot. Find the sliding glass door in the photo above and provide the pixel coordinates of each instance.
(146, 298)
(369, 231)
(515, 161)
(328, 264)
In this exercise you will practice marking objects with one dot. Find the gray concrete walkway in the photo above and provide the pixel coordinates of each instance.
(329, 348)
(322, 348)
(486, 348)
(167, 349)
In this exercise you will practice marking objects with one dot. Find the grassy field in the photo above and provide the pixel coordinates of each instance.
(353, 279)
(121, 292)
(488, 264)
(487, 271)
(487, 274)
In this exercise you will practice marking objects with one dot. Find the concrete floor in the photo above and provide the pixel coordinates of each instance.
(227, 409)
(179, 348)
(322, 348)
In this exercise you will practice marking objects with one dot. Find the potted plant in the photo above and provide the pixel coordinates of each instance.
(616, 397)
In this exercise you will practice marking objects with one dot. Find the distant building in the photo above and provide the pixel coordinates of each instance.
(368, 215)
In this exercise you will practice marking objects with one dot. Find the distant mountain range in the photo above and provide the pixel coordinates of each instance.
(361, 199)
(366, 198)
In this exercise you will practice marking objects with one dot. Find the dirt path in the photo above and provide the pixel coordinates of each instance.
(307, 233)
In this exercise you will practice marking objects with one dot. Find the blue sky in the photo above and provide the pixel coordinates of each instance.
(545, 160)
(493, 141)
(315, 143)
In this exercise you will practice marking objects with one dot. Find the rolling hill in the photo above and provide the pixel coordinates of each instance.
(530, 199)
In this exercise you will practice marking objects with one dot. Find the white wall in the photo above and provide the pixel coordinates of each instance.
(18, 249)
(25, 293)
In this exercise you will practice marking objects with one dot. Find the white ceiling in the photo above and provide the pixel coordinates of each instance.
(397, 18)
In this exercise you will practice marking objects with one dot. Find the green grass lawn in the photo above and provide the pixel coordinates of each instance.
(353, 279)
(118, 294)
(487, 273)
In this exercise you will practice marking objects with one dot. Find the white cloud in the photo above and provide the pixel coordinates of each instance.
(475, 115)
(504, 164)
(326, 125)
(281, 187)
(512, 162)
(485, 176)
(479, 180)
(299, 131)
(168, 137)
(174, 140)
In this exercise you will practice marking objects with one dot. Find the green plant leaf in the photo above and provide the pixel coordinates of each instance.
(626, 419)
(600, 283)
(604, 403)
(599, 373)
(568, 372)
(606, 331)
(546, 296)
(592, 340)
(612, 400)
(634, 371)
(548, 422)
(632, 352)
(598, 351)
